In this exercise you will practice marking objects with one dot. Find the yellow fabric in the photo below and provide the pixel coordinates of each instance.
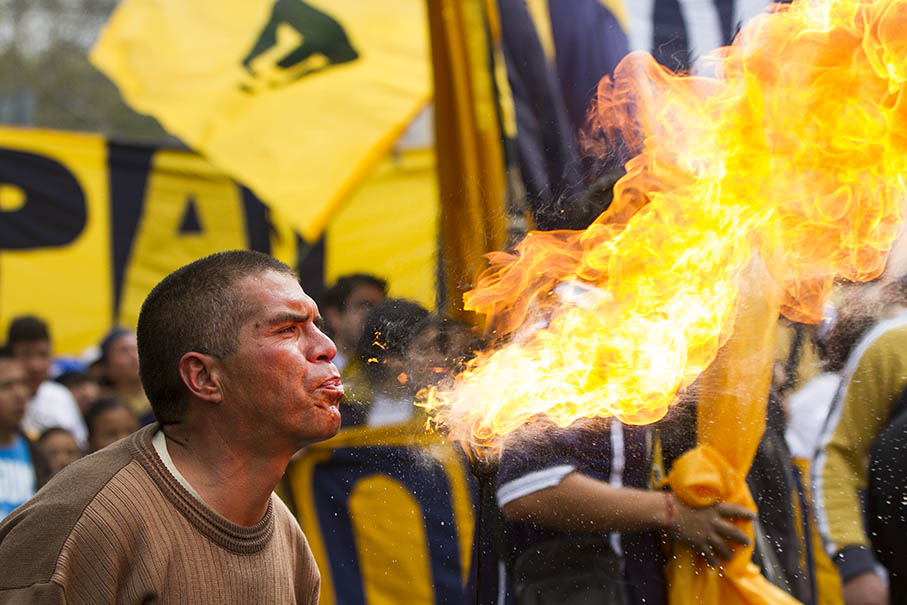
(872, 386)
(700, 478)
(397, 203)
(619, 10)
(731, 420)
(469, 142)
(389, 227)
(70, 281)
(538, 11)
(301, 136)
(825, 574)
(386, 579)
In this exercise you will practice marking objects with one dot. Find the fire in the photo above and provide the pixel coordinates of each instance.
(791, 157)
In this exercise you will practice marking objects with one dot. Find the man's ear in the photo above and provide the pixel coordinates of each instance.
(197, 372)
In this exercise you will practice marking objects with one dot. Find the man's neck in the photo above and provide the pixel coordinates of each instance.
(235, 484)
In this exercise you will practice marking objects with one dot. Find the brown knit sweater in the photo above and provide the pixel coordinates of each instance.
(117, 527)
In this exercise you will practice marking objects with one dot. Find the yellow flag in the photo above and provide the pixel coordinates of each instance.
(397, 203)
(298, 100)
(731, 420)
(471, 171)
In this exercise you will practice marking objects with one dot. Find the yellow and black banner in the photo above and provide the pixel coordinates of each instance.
(88, 227)
(299, 100)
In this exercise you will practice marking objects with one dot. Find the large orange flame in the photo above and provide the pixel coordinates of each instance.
(792, 156)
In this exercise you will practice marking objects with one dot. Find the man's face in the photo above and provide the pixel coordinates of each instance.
(280, 381)
(35, 356)
(361, 301)
(14, 393)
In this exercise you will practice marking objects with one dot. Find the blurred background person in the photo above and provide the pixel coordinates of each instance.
(108, 421)
(346, 305)
(84, 387)
(858, 491)
(23, 468)
(59, 447)
(807, 407)
(50, 404)
(119, 368)
(386, 335)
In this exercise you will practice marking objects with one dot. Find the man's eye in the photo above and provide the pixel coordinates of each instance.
(288, 329)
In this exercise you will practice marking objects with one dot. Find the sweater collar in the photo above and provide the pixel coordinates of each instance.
(229, 535)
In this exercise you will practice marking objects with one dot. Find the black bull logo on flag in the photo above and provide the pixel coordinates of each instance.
(323, 41)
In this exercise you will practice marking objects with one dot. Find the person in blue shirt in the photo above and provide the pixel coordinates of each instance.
(23, 469)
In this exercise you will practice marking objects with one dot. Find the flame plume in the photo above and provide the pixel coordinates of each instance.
(792, 156)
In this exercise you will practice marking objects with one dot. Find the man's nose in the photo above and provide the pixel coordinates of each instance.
(323, 348)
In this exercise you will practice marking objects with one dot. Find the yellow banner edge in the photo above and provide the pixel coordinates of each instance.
(365, 167)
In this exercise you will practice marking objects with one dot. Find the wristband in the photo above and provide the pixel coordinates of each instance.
(669, 516)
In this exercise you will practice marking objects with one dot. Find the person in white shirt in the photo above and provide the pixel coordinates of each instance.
(50, 404)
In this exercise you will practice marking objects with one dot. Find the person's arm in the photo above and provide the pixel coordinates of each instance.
(841, 470)
(581, 503)
(866, 588)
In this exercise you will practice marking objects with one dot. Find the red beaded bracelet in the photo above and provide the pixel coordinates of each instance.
(669, 503)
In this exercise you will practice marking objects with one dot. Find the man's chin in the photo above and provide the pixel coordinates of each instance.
(326, 431)
(332, 425)
(335, 414)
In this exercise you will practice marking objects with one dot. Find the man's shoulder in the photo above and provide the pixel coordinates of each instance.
(890, 338)
(288, 531)
(284, 519)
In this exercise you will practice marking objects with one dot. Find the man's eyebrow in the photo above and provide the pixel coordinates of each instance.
(285, 318)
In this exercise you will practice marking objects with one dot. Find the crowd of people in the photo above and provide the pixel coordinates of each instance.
(581, 514)
(59, 408)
